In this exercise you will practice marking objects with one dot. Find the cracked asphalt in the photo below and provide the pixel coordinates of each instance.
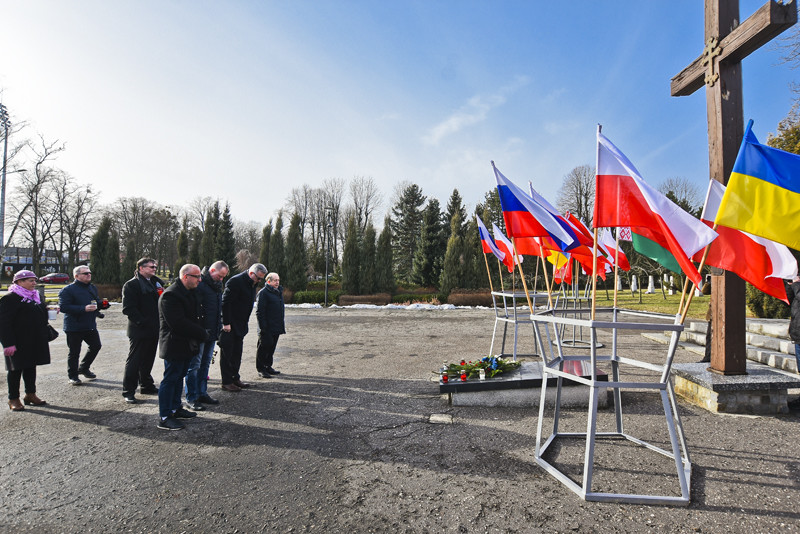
(342, 441)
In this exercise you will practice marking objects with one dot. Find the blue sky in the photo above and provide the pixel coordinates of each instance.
(243, 100)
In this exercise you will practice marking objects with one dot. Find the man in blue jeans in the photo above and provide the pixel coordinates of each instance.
(209, 293)
(179, 337)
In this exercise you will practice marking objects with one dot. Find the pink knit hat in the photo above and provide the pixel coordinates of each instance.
(24, 274)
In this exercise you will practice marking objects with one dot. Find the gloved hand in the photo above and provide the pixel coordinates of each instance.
(9, 351)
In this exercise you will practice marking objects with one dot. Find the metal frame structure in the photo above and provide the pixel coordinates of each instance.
(514, 317)
(548, 327)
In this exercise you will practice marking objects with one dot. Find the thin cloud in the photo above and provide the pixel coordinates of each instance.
(474, 111)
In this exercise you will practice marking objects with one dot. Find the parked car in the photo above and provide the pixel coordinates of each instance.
(55, 278)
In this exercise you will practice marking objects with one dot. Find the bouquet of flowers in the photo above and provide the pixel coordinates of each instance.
(492, 366)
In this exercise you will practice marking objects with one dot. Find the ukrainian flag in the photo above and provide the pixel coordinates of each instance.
(763, 193)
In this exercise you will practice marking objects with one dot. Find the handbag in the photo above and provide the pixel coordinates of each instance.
(52, 333)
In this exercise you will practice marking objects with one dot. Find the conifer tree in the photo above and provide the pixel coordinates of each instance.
(128, 268)
(368, 275)
(276, 252)
(182, 248)
(455, 204)
(406, 223)
(98, 253)
(453, 270)
(429, 255)
(351, 256)
(209, 241)
(112, 260)
(266, 235)
(225, 246)
(194, 249)
(474, 266)
(384, 266)
(296, 263)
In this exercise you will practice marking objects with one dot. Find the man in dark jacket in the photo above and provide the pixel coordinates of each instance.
(270, 313)
(180, 334)
(78, 302)
(209, 293)
(140, 304)
(793, 294)
(237, 305)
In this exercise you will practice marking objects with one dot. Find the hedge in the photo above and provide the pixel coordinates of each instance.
(379, 299)
(316, 297)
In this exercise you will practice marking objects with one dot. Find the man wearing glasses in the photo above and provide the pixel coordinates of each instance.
(140, 304)
(78, 302)
(237, 305)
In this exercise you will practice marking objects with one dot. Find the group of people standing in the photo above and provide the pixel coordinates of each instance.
(182, 322)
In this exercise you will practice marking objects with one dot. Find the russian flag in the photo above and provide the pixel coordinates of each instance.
(525, 217)
(487, 242)
(505, 246)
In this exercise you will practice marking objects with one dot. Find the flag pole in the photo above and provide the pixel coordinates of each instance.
(546, 279)
(521, 275)
(488, 273)
(699, 268)
(500, 270)
(616, 269)
(594, 272)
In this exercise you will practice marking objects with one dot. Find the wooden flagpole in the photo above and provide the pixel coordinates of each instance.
(694, 286)
(488, 272)
(521, 274)
(546, 279)
(500, 270)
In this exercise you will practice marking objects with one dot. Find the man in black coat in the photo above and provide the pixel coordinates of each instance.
(180, 334)
(79, 303)
(140, 304)
(237, 305)
(793, 294)
(270, 313)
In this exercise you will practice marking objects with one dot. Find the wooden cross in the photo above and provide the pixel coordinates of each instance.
(719, 68)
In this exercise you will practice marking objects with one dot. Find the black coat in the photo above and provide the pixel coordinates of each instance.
(209, 292)
(72, 300)
(24, 325)
(181, 325)
(237, 303)
(140, 305)
(270, 311)
(793, 294)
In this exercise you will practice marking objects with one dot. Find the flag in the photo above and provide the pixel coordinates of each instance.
(530, 246)
(526, 218)
(623, 198)
(763, 193)
(624, 233)
(561, 220)
(584, 235)
(609, 246)
(505, 246)
(763, 263)
(487, 243)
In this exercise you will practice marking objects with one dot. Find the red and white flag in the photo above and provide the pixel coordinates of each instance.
(504, 245)
(763, 263)
(609, 246)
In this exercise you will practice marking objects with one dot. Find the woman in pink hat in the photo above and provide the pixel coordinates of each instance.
(24, 336)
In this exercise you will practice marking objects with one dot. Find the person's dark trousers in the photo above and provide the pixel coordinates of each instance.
(264, 351)
(139, 365)
(230, 357)
(171, 388)
(74, 340)
(28, 375)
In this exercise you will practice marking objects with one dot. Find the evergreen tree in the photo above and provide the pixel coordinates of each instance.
(112, 260)
(266, 235)
(455, 205)
(296, 263)
(129, 263)
(368, 275)
(474, 266)
(384, 266)
(428, 256)
(351, 260)
(209, 241)
(276, 261)
(225, 246)
(182, 248)
(194, 249)
(406, 223)
(490, 209)
(453, 270)
(98, 252)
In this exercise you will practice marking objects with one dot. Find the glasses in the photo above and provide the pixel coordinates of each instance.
(198, 276)
(150, 266)
(84, 272)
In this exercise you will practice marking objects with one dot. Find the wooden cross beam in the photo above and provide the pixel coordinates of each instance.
(719, 69)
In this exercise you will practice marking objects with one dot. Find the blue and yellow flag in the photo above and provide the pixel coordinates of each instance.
(763, 193)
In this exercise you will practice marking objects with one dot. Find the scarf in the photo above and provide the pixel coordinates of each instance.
(28, 295)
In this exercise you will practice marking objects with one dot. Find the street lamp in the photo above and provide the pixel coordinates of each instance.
(4, 123)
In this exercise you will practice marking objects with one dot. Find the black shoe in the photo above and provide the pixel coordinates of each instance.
(196, 406)
(183, 413)
(149, 390)
(75, 381)
(130, 399)
(272, 371)
(264, 375)
(88, 374)
(705, 361)
(205, 399)
(170, 424)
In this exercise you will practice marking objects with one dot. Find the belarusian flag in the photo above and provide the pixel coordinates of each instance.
(622, 198)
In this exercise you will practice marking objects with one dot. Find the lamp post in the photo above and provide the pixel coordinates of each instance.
(4, 123)
(328, 225)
